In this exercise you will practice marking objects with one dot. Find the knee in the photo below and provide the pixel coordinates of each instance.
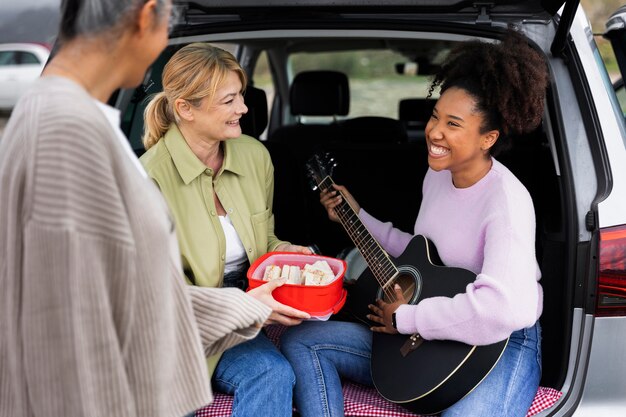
(298, 337)
(274, 369)
(284, 373)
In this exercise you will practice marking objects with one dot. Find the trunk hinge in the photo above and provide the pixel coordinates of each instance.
(565, 22)
(483, 11)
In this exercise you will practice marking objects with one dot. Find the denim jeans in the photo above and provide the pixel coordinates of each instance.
(237, 278)
(259, 377)
(322, 353)
(510, 388)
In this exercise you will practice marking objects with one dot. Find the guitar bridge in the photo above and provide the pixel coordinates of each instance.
(412, 343)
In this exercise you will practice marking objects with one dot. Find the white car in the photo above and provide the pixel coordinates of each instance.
(20, 66)
(372, 122)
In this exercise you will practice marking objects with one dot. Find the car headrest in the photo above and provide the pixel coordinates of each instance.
(254, 122)
(320, 93)
(373, 129)
(416, 109)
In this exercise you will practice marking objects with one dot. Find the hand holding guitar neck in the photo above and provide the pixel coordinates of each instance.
(333, 198)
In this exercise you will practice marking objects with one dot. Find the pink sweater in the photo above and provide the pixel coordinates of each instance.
(489, 229)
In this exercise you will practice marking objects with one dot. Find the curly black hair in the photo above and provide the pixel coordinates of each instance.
(506, 79)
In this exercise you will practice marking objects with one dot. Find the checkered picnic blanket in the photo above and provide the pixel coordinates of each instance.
(362, 401)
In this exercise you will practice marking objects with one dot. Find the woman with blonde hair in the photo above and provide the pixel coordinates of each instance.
(219, 185)
(95, 317)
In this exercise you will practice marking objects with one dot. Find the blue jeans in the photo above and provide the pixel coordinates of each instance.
(510, 388)
(322, 353)
(259, 377)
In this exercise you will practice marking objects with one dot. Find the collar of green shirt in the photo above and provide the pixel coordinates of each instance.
(187, 163)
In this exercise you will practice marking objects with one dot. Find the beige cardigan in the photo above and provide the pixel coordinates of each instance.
(95, 318)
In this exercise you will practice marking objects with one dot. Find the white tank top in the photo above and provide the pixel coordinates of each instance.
(235, 251)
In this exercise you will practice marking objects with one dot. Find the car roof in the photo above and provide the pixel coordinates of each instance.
(41, 51)
(30, 47)
(496, 6)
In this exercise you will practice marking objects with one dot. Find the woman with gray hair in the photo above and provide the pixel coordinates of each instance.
(95, 316)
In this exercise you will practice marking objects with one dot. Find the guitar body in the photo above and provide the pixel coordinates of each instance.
(437, 374)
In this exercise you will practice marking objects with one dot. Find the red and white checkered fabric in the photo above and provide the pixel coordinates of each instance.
(544, 399)
(273, 332)
(221, 406)
(360, 401)
(364, 401)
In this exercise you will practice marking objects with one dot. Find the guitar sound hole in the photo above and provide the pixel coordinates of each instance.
(410, 282)
(406, 282)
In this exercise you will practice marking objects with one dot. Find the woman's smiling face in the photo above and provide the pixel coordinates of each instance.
(219, 120)
(454, 138)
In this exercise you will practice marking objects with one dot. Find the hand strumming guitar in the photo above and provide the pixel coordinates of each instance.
(330, 200)
(383, 311)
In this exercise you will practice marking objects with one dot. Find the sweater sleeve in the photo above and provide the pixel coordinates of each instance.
(505, 296)
(393, 240)
(73, 334)
(226, 316)
(78, 258)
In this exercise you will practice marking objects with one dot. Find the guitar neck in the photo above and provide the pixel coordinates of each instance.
(376, 258)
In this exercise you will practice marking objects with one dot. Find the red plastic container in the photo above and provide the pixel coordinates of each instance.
(320, 301)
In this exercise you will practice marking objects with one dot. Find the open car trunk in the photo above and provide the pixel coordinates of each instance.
(386, 175)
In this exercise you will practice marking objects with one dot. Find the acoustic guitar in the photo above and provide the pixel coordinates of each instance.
(425, 377)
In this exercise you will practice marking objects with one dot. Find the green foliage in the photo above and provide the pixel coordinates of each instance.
(358, 64)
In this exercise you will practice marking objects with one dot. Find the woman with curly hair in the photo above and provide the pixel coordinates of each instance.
(480, 217)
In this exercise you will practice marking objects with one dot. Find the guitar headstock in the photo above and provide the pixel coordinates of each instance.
(318, 167)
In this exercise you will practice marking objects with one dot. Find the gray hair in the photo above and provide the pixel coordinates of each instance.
(93, 17)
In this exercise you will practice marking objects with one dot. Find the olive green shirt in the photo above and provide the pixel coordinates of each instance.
(244, 186)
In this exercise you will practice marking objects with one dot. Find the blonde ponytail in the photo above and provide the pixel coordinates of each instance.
(157, 120)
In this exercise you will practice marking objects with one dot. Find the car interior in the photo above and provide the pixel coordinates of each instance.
(297, 111)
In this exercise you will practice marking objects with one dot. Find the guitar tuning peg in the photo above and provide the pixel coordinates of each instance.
(313, 184)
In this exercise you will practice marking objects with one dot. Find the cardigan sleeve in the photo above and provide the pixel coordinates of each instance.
(77, 289)
(226, 316)
(72, 331)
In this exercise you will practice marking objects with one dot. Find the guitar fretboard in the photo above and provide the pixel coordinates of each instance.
(377, 259)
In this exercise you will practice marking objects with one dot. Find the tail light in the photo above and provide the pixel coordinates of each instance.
(611, 300)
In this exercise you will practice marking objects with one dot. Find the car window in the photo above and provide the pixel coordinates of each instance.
(18, 58)
(263, 79)
(375, 86)
(620, 92)
(617, 103)
(26, 58)
(7, 58)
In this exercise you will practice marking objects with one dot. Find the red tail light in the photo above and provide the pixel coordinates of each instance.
(612, 280)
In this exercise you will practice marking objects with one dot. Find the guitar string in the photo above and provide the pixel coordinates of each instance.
(354, 230)
(377, 267)
(345, 212)
(358, 230)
